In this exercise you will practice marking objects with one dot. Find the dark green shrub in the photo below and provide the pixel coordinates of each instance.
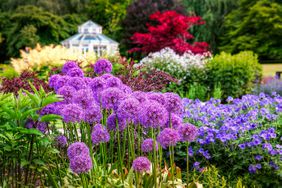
(236, 74)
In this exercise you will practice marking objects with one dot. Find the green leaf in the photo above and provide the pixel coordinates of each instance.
(29, 131)
(50, 117)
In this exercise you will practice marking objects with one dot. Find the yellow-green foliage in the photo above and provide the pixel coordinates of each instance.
(236, 74)
(53, 56)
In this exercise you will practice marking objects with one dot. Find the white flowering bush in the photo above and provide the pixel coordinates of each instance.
(176, 65)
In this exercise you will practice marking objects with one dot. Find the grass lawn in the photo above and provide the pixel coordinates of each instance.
(270, 69)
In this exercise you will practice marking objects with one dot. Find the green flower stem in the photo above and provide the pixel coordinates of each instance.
(187, 162)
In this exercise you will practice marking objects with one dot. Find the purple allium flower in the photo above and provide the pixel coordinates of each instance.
(173, 103)
(126, 89)
(72, 113)
(93, 114)
(175, 121)
(258, 157)
(76, 82)
(68, 66)
(110, 97)
(106, 76)
(188, 132)
(140, 96)
(49, 109)
(148, 145)
(113, 82)
(87, 80)
(112, 120)
(42, 127)
(61, 141)
(84, 98)
(81, 163)
(103, 66)
(141, 164)
(97, 84)
(61, 81)
(153, 114)
(128, 108)
(99, 134)
(67, 92)
(53, 79)
(159, 97)
(75, 72)
(168, 137)
(77, 148)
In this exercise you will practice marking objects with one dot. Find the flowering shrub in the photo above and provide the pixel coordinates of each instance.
(246, 133)
(176, 65)
(170, 30)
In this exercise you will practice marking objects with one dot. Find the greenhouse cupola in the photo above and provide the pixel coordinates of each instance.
(90, 39)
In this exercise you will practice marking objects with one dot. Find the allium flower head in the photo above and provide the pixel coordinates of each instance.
(72, 113)
(113, 120)
(173, 103)
(76, 82)
(107, 76)
(76, 149)
(168, 137)
(42, 127)
(153, 114)
(128, 108)
(93, 114)
(103, 66)
(75, 72)
(188, 132)
(175, 121)
(159, 97)
(110, 97)
(61, 141)
(113, 82)
(148, 145)
(53, 79)
(140, 96)
(68, 66)
(99, 134)
(126, 89)
(97, 84)
(141, 164)
(61, 81)
(49, 109)
(84, 98)
(81, 164)
(67, 92)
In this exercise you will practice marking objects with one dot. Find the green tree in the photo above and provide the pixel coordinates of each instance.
(213, 12)
(30, 24)
(256, 26)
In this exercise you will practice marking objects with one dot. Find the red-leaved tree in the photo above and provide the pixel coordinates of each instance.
(170, 30)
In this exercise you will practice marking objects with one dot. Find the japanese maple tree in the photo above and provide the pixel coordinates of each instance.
(170, 30)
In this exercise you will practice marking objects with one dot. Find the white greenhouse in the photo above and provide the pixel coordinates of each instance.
(90, 39)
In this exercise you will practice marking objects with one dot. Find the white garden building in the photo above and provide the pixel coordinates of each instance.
(90, 39)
